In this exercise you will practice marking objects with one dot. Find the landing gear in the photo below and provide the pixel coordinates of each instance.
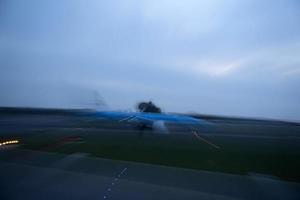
(142, 128)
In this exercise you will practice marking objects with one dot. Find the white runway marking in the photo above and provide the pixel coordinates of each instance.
(113, 183)
(204, 140)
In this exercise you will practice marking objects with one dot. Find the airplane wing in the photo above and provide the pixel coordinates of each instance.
(151, 117)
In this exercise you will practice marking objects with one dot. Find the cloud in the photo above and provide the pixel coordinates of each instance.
(232, 57)
(219, 70)
(203, 67)
(293, 72)
(278, 61)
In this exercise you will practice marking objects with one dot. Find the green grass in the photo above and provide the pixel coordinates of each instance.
(280, 158)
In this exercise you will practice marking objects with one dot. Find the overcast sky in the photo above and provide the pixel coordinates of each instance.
(238, 58)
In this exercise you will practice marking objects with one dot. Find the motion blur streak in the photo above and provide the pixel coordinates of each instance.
(9, 142)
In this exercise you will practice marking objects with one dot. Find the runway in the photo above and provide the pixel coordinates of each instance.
(69, 155)
(41, 175)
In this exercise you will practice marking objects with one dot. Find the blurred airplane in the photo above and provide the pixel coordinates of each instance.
(154, 121)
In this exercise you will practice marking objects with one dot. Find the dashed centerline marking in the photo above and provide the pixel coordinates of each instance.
(122, 171)
(204, 140)
(113, 183)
